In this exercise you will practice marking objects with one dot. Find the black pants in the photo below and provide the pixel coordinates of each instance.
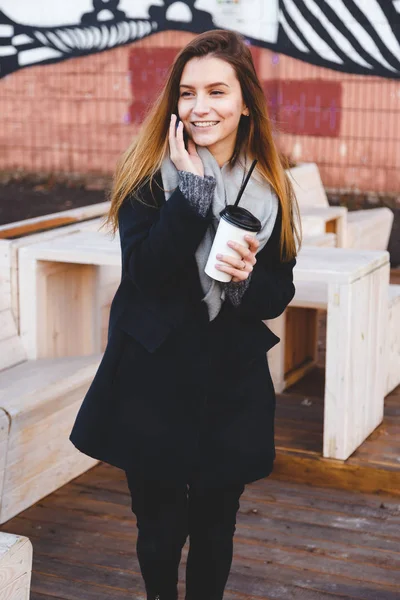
(166, 515)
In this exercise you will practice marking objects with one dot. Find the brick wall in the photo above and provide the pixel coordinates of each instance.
(79, 115)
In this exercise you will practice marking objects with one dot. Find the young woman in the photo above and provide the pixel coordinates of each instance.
(183, 400)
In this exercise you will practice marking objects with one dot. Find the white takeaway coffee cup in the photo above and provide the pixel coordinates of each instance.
(235, 223)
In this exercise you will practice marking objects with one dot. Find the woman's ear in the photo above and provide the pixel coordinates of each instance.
(246, 112)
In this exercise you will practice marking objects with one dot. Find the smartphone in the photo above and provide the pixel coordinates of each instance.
(185, 135)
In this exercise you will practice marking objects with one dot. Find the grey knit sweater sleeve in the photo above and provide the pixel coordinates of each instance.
(198, 190)
(235, 290)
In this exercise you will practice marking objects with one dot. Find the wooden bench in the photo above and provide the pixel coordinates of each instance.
(363, 229)
(39, 399)
(15, 567)
(38, 403)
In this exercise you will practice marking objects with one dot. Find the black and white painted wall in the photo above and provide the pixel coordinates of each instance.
(353, 36)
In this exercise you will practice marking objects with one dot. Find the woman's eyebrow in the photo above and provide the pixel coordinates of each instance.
(207, 86)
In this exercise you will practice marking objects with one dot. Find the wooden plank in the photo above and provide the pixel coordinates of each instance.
(8, 326)
(31, 490)
(337, 265)
(67, 319)
(356, 326)
(18, 589)
(300, 342)
(307, 185)
(33, 225)
(81, 247)
(12, 352)
(108, 279)
(27, 387)
(327, 240)
(311, 294)
(393, 340)
(5, 274)
(312, 469)
(15, 567)
(4, 436)
(27, 458)
(34, 238)
(369, 229)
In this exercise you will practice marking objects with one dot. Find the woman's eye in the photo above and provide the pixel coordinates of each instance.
(190, 93)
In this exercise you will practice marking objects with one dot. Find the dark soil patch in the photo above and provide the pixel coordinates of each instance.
(24, 199)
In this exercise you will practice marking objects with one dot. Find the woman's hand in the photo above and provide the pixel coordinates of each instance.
(240, 268)
(184, 160)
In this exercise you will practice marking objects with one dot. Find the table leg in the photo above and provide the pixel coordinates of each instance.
(355, 362)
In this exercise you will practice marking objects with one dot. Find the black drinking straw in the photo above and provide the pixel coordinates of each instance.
(245, 182)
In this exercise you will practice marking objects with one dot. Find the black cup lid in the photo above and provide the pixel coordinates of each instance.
(240, 217)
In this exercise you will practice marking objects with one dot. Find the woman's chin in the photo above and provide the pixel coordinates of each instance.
(204, 140)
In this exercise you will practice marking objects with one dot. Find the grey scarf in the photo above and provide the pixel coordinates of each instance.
(258, 198)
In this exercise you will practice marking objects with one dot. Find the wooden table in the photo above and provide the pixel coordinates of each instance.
(357, 319)
(357, 287)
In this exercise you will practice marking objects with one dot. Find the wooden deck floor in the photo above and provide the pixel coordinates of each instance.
(373, 467)
(293, 541)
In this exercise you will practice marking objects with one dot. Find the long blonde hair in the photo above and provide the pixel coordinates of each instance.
(139, 164)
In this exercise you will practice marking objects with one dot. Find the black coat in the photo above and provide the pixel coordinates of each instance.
(176, 396)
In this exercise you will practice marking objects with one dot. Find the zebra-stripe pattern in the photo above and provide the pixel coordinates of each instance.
(29, 46)
(6, 35)
(353, 36)
(73, 40)
(361, 36)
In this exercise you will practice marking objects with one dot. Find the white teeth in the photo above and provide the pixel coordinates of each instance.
(205, 123)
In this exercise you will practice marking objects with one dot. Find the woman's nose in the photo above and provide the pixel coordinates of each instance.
(201, 106)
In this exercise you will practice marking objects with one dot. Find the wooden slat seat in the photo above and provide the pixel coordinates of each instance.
(39, 400)
(365, 229)
(15, 567)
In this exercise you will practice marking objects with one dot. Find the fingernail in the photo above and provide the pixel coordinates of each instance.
(219, 256)
(217, 266)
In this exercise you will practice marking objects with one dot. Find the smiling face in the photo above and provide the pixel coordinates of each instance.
(211, 104)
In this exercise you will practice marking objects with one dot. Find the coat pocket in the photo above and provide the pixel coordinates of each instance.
(144, 325)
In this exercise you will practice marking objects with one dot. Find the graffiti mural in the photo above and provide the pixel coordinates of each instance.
(353, 36)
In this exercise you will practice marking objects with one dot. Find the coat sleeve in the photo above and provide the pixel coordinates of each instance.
(156, 243)
(271, 285)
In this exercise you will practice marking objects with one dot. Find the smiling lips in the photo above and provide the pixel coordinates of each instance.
(204, 124)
